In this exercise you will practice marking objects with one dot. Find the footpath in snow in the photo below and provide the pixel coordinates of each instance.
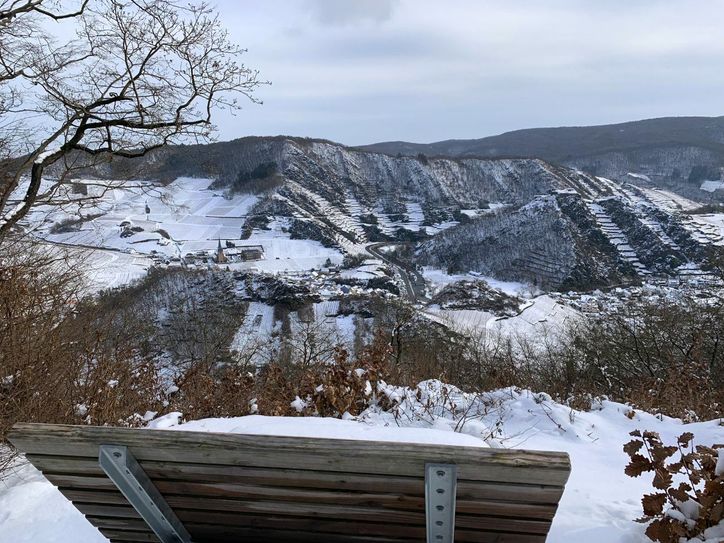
(599, 505)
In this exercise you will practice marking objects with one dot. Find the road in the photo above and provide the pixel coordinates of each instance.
(412, 279)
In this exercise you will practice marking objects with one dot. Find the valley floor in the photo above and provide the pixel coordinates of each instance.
(599, 505)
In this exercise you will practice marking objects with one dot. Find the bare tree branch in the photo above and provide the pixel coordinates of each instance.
(139, 75)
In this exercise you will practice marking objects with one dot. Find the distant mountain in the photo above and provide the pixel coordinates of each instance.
(564, 143)
(674, 151)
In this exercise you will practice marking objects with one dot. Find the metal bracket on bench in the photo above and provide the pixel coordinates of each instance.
(125, 472)
(440, 489)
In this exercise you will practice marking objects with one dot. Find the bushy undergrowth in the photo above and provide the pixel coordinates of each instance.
(64, 359)
(689, 482)
(662, 356)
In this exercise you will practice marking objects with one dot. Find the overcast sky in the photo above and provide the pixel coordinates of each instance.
(363, 71)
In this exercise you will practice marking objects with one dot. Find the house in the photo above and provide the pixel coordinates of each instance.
(244, 253)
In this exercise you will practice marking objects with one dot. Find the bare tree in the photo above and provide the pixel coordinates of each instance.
(135, 76)
(312, 342)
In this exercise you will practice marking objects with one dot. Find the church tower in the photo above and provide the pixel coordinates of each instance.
(220, 256)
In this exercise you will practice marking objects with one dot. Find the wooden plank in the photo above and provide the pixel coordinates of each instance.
(198, 524)
(212, 534)
(109, 511)
(116, 523)
(69, 471)
(318, 511)
(466, 503)
(382, 458)
(127, 536)
(231, 487)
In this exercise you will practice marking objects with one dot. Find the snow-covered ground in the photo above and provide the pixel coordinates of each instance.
(709, 226)
(639, 176)
(105, 269)
(540, 315)
(257, 326)
(669, 200)
(599, 505)
(438, 278)
(34, 511)
(193, 216)
(711, 186)
(370, 268)
(261, 327)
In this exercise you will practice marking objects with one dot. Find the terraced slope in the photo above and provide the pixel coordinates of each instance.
(517, 219)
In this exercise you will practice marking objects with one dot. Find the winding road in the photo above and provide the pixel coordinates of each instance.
(412, 279)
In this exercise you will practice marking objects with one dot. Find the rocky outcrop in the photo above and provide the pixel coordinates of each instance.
(477, 295)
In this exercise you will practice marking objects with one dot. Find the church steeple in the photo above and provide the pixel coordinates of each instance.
(220, 256)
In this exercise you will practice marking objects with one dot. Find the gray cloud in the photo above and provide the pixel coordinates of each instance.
(422, 70)
(343, 12)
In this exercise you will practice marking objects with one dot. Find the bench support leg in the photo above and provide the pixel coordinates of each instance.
(440, 489)
(125, 472)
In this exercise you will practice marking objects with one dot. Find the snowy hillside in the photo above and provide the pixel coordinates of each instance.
(300, 204)
(125, 230)
(326, 229)
(568, 241)
(599, 505)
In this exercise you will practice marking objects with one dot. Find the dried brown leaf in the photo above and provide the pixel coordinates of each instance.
(653, 504)
(662, 480)
(638, 465)
(685, 439)
(633, 446)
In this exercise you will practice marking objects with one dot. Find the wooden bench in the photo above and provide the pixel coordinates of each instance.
(218, 488)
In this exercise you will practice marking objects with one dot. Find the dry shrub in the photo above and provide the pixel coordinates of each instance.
(341, 388)
(227, 392)
(56, 367)
(275, 389)
(35, 292)
(350, 386)
(686, 391)
(324, 388)
(695, 503)
(662, 357)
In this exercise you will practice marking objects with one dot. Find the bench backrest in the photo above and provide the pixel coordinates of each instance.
(236, 487)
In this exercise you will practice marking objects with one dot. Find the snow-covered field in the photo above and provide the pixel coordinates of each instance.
(599, 505)
(104, 269)
(540, 315)
(370, 268)
(193, 216)
(438, 279)
(260, 327)
(186, 209)
(709, 226)
(640, 176)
